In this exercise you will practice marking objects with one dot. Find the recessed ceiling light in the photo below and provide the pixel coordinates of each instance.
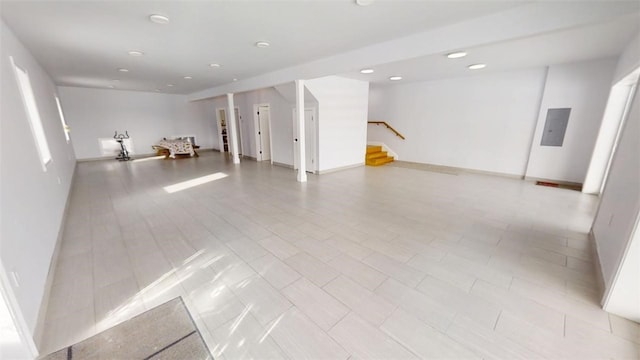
(477, 66)
(111, 86)
(364, 2)
(214, 65)
(395, 78)
(136, 53)
(234, 79)
(366, 71)
(262, 44)
(123, 70)
(159, 19)
(158, 90)
(188, 78)
(169, 85)
(456, 55)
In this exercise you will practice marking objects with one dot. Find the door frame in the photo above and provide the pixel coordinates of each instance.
(219, 127)
(239, 130)
(256, 128)
(220, 139)
(311, 168)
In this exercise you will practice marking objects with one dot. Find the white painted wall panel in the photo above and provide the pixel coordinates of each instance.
(32, 202)
(281, 123)
(148, 117)
(629, 60)
(484, 122)
(618, 212)
(583, 87)
(342, 120)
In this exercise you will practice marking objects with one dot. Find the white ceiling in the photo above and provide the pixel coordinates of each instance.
(84, 43)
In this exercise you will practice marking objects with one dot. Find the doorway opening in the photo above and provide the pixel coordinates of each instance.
(223, 133)
(613, 121)
(262, 121)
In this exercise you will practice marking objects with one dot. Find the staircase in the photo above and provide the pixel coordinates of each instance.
(376, 157)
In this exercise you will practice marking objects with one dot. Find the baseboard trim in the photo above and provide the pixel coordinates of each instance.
(445, 168)
(282, 165)
(328, 171)
(596, 261)
(38, 332)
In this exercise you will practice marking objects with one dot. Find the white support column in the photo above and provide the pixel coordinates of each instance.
(302, 168)
(231, 125)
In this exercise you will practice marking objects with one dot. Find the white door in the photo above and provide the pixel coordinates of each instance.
(310, 140)
(263, 135)
(222, 130)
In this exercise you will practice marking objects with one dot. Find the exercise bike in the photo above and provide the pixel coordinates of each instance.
(124, 153)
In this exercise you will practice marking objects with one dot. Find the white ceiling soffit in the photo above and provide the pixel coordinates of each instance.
(84, 43)
(576, 44)
(516, 23)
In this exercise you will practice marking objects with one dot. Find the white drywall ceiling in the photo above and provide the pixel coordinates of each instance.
(83, 43)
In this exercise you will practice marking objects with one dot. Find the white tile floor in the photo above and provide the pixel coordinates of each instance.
(366, 263)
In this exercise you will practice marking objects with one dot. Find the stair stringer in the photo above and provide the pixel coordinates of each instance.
(389, 151)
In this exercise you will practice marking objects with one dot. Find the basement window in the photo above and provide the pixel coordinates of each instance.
(35, 123)
(65, 127)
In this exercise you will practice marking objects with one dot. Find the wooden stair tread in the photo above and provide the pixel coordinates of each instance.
(379, 161)
(376, 155)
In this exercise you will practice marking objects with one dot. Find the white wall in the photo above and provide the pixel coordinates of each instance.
(288, 92)
(32, 202)
(583, 87)
(148, 117)
(620, 206)
(342, 116)
(484, 122)
(629, 60)
(198, 118)
(281, 123)
(342, 120)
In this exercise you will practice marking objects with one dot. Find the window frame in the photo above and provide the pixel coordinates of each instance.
(33, 114)
(65, 126)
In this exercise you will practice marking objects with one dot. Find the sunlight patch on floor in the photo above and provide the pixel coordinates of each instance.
(148, 159)
(194, 182)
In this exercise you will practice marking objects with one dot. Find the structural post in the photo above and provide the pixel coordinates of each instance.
(231, 119)
(302, 165)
